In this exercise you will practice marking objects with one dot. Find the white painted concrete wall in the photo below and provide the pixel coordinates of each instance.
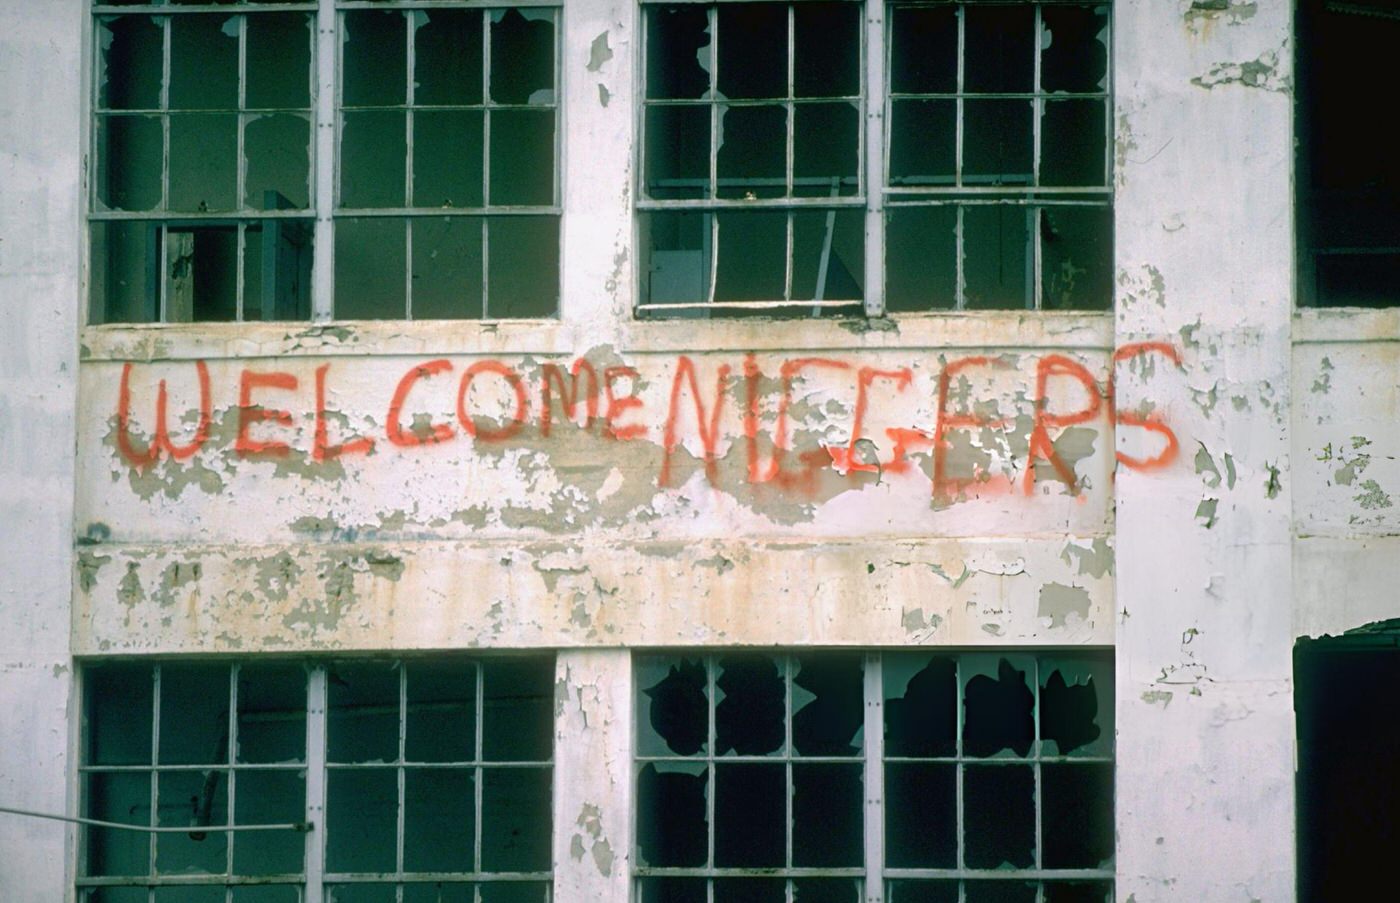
(40, 210)
(1274, 520)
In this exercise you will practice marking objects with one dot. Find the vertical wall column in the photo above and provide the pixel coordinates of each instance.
(592, 776)
(601, 47)
(41, 204)
(1204, 259)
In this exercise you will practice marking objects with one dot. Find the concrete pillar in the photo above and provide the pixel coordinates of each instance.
(1204, 260)
(593, 776)
(41, 204)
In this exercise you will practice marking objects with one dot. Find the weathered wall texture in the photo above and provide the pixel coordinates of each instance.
(1204, 253)
(40, 165)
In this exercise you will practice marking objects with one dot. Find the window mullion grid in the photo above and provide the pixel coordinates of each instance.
(155, 775)
(959, 243)
(315, 785)
(241, 173)
(875, 108)
(162, 302)
(874, 736)
(410, 44)
(1036, 747)
(711, 758)
(788, 151)
(1037, 111)
(478, 757)
(958, 741)
(713, 189)
(485, 180)
(787, 700)
(326, 116)
(230, 757)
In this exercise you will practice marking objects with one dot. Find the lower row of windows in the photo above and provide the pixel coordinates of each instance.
(759, 778)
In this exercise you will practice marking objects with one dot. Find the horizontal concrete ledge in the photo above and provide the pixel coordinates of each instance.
(986, 592)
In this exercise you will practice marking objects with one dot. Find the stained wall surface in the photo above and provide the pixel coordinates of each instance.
(1194, 480)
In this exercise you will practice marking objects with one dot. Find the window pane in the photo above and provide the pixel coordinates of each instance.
(828, 251)
(674, 256)
(123, 798)
(202, 282)
(278, 70)
(826, 149)
(752, 156)
(448, 57)
(826, 49)
(370, 262)
(1078, 892)
(1077, 802)
(194, 702)
(373, 149)
(920, 706)
(374, 70)
(999, 48)
(672, 825)
(818, 890)
(923, 142)
(827, 816)
(198, 799)
(522, 56)
(278, 152)
(923, 50)
(204, 894)
(204, 62)
(1076, 267)
(447, 158)
(522, 157)
(752, 256)
(277, 269)
(438, 820)
(363, 893)
(203, 161)
(1073, 147)
(996, 257)
(672, 890)
(518, 703)
(514, 892)
(752, 49)
(750, 712)
(447, 276)
(678, 51)
(129, 67)
(921, 258)
(923, 892)
(129, 150)
(750, 815)
(515, 819)
(119, 705)
(750, 890)
(523, 266)
(997, 142)
(1074, 53)
(673, 708)
(678, 152)
(361, 819)
(438, 893)
(440, 724)
(1000, 892)
(269, 798)
(363, 716)
(921, 816)
(123, 256)
(999, 816)
(828, 705)
(268, 894)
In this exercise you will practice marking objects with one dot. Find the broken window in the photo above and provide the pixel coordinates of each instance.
(426, 780)
(1348, 813)
(202, 199)
(991, 160)
(448, 204)
(759, 776)
(753, 187)
(205, 202)
(1347, 184)
(997, 190)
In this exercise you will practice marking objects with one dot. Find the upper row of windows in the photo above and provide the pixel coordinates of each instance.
(439, 195)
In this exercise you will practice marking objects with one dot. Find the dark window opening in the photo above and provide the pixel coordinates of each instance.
(752, 771)
(1348, 810)
(1348, 181)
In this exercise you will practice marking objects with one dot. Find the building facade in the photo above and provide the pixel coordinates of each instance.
(606, 451)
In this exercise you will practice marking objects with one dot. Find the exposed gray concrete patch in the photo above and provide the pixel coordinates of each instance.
(89, 565)
(1274, 484)
(175, 576)
(1095, 561)
(1372, 496)
(955, 581)
(1153, 697)
(1323, 384)
(1058, 602)
(129, 591)
(386, 565)
(590, 819)
(1205, 512)
(599, 52)
(1205, 465)
(1257, 73)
